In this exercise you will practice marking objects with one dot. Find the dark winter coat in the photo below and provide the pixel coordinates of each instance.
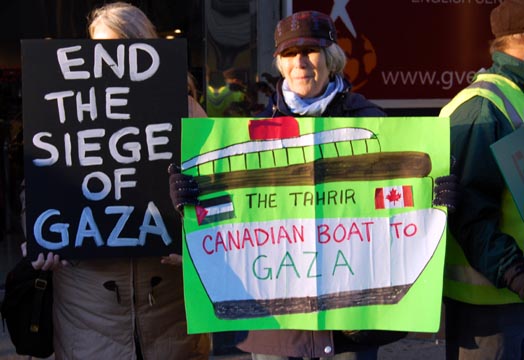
(475, 125)
(302, 343)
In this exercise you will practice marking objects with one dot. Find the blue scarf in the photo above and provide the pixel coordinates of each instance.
(312, 106)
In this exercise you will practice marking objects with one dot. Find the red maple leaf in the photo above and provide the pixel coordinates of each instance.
(393, 196)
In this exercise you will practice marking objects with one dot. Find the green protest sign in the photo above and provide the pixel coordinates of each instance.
(314, 223)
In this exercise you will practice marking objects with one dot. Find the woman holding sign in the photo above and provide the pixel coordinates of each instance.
(311, 64)
(130, 308)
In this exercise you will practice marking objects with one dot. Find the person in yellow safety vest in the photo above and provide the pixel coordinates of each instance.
(484, 271)
(226, 95)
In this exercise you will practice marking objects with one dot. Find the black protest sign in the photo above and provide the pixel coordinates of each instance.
(101, 126)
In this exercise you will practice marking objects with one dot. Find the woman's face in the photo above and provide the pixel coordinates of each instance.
(305, 70)
(102, 32)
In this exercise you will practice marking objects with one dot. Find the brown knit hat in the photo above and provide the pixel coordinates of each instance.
(304, 28)
(508, 18)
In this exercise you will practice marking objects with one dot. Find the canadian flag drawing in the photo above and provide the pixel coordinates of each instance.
(393, 197)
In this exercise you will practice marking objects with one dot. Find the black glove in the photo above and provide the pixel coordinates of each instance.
(447, 189)
(447, 192)
(514, 278)
(183, 189)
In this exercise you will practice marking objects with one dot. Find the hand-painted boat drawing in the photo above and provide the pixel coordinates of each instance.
(301, 265)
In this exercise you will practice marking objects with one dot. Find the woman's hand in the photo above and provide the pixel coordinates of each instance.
(183, 189)
(44, 262)
(447, 192)
(447, 189)
(172, 259)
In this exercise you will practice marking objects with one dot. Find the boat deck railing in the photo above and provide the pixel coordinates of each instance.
(256, 155)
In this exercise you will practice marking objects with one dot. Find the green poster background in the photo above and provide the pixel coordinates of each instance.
(417, 310)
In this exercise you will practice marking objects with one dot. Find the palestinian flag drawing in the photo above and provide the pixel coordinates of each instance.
(215, 209)
(393, 197)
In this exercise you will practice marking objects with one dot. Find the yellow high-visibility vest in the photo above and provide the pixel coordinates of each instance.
(461, 281)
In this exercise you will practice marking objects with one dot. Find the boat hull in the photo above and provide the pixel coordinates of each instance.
(309, 265)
